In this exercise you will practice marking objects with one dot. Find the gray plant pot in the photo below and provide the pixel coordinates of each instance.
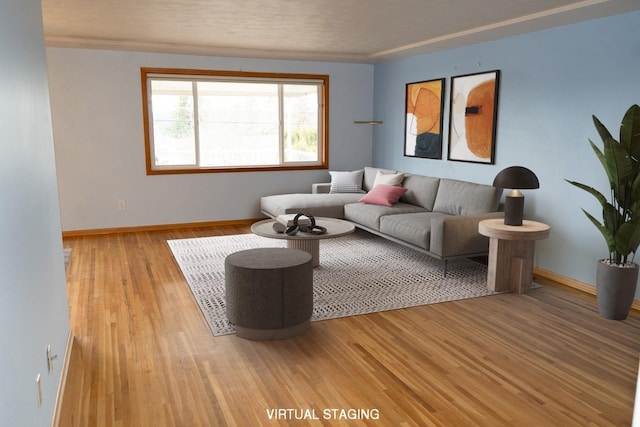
(615, 289)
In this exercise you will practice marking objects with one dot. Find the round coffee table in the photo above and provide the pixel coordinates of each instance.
(306, 241)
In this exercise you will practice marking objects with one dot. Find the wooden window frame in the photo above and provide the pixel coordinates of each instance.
(323, 140)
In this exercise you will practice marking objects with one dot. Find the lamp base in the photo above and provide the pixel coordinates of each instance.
(513, 209)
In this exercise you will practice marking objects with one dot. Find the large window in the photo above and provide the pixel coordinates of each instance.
(204, 121)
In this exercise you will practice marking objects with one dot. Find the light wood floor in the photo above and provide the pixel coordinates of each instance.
(146, 358)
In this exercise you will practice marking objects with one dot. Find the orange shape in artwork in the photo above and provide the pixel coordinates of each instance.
(479, 118)
(427, 112)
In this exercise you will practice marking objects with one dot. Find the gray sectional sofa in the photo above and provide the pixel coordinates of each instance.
(436, 216)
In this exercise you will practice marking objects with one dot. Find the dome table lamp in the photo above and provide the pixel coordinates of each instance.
(515, 178)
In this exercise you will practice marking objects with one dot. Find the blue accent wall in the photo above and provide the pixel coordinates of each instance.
(552, 82)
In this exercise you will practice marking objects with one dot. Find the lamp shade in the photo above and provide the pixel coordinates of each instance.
(516, 177)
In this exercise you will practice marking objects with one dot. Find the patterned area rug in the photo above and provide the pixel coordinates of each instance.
(358, 274)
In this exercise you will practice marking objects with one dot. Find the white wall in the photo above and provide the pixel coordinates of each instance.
(97, 120)
(33, 303)
(551, 83)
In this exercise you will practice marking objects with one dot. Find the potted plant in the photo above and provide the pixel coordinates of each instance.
(617, 275)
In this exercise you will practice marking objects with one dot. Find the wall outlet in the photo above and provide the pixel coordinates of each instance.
(122, 205)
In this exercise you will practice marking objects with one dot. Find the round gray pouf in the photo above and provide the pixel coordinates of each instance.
(269, 292)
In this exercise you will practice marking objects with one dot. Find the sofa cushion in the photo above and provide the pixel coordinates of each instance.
(414, 228)
(328, 205)
(346, 182)
(421, 190)
(388, 178)
(369, 215)
(383, 194)
(466, 198)
(370, 176)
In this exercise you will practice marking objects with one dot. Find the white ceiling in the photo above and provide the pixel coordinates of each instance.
(366, 31)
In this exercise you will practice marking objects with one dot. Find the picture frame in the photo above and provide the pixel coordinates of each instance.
(473, 117)
(424, 111)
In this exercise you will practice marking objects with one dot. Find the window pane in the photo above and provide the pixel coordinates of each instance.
(238, 124)
(301, 123)
(173, 129)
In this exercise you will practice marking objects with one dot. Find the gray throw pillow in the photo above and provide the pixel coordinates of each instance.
(346, 182)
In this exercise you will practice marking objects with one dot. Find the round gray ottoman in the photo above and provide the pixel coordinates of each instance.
(269, 292)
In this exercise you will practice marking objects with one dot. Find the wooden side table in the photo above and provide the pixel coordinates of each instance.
(511, 250)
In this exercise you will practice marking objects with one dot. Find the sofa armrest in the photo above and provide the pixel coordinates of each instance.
(458, 235)
(321, 188)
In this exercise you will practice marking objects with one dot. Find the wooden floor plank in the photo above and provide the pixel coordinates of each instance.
(146, 356)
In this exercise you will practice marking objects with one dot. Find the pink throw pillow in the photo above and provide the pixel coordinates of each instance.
(383, 194)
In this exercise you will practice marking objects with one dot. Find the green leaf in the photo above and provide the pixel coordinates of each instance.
(602, 130)
(608, 237)
(612, 218)
(603, 161)
(630, 131)
(619, 167)
(627, 239)
(598, 195)
(634, 196)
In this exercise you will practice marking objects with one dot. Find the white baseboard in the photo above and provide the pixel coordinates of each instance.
(55, 420)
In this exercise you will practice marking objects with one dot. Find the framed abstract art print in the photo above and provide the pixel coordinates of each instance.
(473, 116)
(423, 119)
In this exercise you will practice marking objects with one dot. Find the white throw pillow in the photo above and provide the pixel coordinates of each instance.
(388, 178)
(346, 182)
